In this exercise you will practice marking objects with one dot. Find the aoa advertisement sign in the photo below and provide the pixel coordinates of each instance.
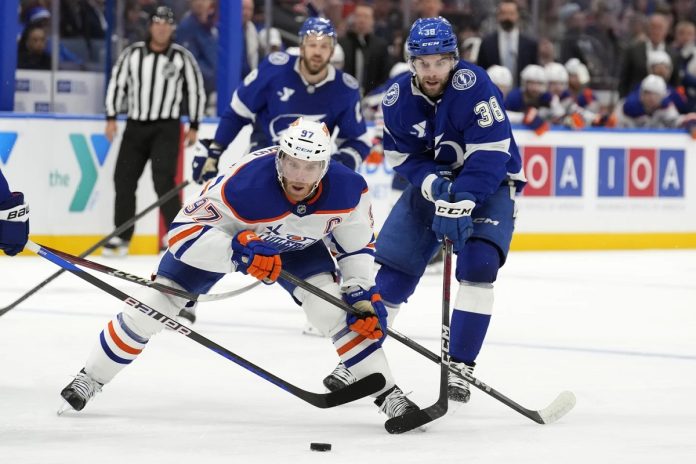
(610, 186)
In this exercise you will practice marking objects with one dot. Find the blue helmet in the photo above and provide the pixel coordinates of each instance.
(431, 36)
(318, 26)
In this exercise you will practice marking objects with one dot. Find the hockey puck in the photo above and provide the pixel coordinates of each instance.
(320, 446)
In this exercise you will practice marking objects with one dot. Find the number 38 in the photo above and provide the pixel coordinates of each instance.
(488, 111)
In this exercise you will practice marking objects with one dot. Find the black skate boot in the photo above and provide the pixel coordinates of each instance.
(458, 388)
(78, 392)
(341, 377)
(394, 402)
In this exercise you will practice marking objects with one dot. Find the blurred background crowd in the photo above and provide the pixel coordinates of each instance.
(571, 62)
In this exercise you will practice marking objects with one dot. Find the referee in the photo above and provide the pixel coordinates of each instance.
(154, 77)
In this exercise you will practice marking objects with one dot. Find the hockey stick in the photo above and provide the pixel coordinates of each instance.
(147, 282)
(163, 199)
(412, 420)
(363, 387)
(563, 403)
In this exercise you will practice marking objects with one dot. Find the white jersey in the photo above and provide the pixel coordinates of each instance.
(249, 197)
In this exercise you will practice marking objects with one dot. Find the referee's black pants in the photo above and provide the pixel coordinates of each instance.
(157, 141)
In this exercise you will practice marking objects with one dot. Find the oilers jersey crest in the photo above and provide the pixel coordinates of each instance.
(466, 130)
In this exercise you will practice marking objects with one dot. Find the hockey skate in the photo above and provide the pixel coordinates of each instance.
(341, 377)
(188, 312)
(115, 248)
(394, 402)
(457, 387)
(78, 392)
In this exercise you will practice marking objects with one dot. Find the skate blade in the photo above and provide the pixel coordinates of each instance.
(64, 406)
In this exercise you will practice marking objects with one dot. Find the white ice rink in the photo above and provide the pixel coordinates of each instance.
(616, 328)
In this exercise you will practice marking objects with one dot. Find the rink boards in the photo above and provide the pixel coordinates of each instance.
(593, 189)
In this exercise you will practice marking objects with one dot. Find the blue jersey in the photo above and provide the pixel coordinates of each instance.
(275, 95)
(466, 130)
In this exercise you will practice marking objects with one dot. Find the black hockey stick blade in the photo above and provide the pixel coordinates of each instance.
(563, 403)
(147, 282)
(416, 419)
(366, 386)
(360, 389)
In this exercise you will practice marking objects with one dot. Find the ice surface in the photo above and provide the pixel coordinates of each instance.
(616, 328)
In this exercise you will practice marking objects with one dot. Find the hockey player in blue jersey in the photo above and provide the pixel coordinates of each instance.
(447, 133)
(286, 87)
(14, 219)
(270, 210)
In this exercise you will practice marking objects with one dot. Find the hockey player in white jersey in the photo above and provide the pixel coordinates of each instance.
(270, 210)
(445, 130)
(285, 87)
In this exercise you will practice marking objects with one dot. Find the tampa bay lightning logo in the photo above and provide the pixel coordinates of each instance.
(350, 81)
(463, 79)
(392, 95)
(278, 58)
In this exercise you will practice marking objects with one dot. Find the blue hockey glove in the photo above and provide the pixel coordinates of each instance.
(372, 323)
(205, 160)
(14, 224)
(437, 184)
(453, 218)
(253, 256)
(349, 159)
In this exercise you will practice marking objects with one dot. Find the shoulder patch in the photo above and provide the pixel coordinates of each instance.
(251, 77)
(463, 79)
(350, 81)
(278, 58)
(392, 95)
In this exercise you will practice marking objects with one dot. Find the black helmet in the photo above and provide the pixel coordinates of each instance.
(164, 14)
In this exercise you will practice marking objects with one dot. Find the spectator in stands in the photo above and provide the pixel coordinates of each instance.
(428, 8)
(31, 50)
(508, 46)
(547, 52)
(366, 55)
(198, 34)
(135, 24)
(68, 59)
(251, 51)
(388, 18)
(635, 66)
(685, 44)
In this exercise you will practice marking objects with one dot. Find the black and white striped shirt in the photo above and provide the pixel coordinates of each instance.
(155, 84)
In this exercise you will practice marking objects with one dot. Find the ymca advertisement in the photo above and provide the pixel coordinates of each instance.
(592, 189)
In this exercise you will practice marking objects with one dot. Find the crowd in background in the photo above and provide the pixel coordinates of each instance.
(616, 43)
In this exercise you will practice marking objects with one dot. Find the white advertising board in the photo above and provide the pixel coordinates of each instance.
(590, 189)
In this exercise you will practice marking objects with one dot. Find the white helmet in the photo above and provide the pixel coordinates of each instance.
(659, 57)
(576, 67)
(500, 75)
(556, 72)
(654, 84)
(307, 141)
(533, 73)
